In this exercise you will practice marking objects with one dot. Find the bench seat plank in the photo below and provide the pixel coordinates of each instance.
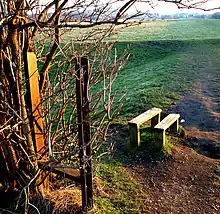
(145, 116)
(167, 121)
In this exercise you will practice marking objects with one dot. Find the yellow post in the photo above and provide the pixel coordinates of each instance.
(35, 100)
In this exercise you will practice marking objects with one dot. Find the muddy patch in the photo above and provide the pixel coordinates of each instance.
(197, 115)
(201, 112)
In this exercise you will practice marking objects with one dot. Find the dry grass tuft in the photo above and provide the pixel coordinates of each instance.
(98, 188)
(65, 200)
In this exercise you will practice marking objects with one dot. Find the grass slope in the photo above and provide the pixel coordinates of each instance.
(163, 65)
(165, 59)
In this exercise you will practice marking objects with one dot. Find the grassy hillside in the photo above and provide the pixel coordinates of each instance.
(165, 61)
(163, 55)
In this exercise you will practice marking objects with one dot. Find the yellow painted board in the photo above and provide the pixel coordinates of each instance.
(35, 100)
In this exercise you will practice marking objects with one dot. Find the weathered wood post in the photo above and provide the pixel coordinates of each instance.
(134, 132)
(155, 120)
(175, 127)
(36, 116)
(87, 131)
(34, 100)
(83, 119)
(160, 139)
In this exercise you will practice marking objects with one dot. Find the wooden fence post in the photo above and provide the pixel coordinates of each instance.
(34, 96)
(83, 119)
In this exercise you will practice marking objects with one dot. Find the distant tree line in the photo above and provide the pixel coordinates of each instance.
(216, 15)
(186, 16)
(156, 16)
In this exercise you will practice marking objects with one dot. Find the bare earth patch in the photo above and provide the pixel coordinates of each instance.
(181, 184)
(200, 109)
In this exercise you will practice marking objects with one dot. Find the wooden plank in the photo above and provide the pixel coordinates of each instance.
(167, 121)
(35, 100)
(149, 114)
(71, 173)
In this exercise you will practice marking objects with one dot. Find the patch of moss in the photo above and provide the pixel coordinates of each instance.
(121, 188)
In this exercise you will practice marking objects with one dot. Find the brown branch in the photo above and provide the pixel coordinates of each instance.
(57, 12)
(123, 9)
(41, 16)
(196, 5)
(49, 57)
(66, 25)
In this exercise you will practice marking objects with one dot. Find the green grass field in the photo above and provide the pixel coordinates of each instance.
(161, 58)
(165, 61)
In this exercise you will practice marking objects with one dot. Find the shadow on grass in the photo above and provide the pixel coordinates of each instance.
(196, 115)
(208, 148)
(156, 50)
(146, 152)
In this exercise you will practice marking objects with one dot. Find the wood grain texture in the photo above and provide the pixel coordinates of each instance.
(148, 115)
(167, 121)
(35, 100)
(134, 124)
(134, 133)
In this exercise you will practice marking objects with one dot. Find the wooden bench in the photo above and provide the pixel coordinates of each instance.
(172, 122)
(134, 124)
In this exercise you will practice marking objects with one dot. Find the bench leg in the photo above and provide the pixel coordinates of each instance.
(175, 127)
(160, 139)
(134, 132)
(155, 120)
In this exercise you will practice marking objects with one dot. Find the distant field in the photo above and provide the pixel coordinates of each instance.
(165, 59)
(172, 30)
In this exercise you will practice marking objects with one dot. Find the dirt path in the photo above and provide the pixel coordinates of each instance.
(184, 183)
(201, 111)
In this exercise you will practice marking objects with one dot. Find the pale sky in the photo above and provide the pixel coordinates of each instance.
(167, 8)
(164, 7)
